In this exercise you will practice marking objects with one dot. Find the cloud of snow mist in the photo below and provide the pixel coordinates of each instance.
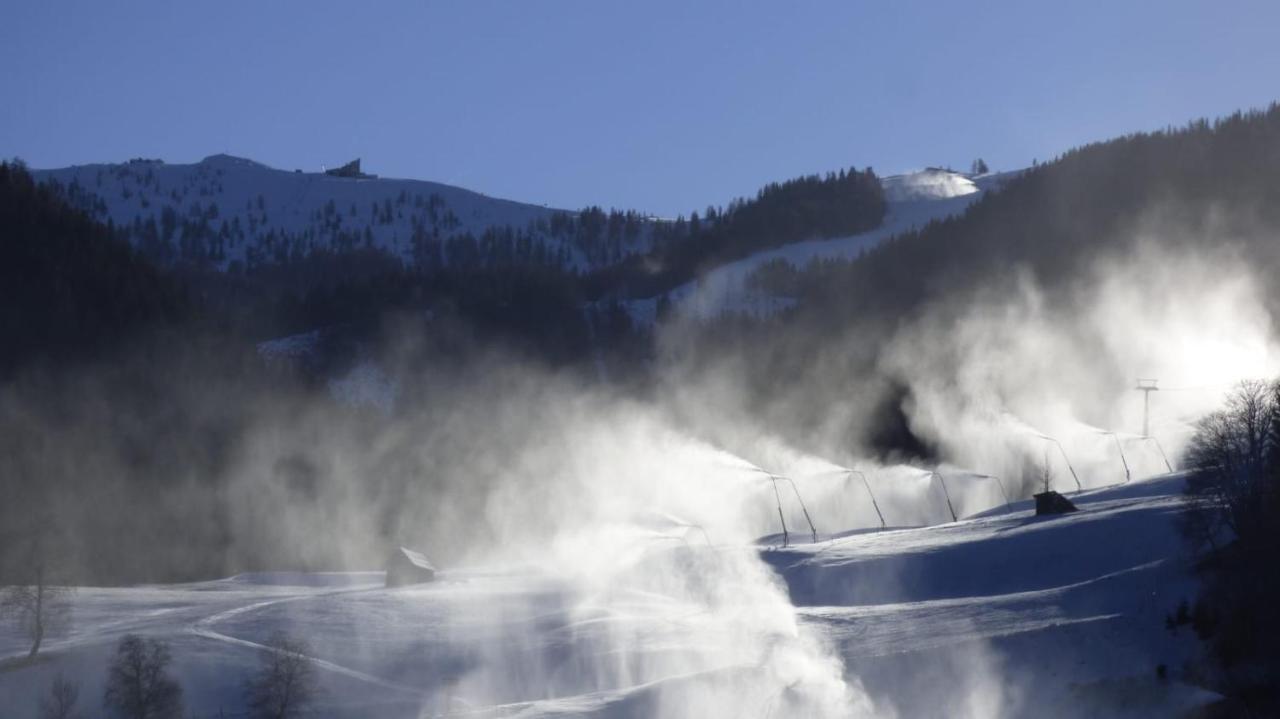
(624, 547)
(636, 538)
(999, 383)
(624, 496)
(603, 501)
(1002, 381)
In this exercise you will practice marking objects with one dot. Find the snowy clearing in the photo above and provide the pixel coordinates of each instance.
(1003, 613)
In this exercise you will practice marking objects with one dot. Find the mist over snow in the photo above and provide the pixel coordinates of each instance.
(824, 519)
(991, 379)
(601, 556)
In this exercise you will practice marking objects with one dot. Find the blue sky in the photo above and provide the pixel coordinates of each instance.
(660, 106)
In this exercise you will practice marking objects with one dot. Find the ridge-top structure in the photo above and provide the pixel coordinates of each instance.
(351, 169)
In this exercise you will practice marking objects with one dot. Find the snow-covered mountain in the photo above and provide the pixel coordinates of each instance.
(226, 210)
(236, 213)
(230, 213)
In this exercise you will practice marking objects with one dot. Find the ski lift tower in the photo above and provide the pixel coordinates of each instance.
(1146, 387)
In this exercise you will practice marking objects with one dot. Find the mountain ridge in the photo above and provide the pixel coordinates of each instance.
(232, 213)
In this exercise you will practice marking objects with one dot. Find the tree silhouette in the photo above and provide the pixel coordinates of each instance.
(138, 681)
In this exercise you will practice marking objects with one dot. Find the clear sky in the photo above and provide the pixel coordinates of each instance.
(659, 106)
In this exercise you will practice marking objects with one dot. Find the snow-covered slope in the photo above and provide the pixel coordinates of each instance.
(914, 199)
(1009, 613)
(241, 211)
(1001, 614)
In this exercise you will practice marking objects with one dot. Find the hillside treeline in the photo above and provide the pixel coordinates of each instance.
(109, 363)
(1208, 186)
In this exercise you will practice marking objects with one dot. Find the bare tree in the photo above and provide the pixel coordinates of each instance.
(1234, 456)
(1045, 475)
(1233, 500)
(33, 601)
(60, 703)
(286, 681)
(138, 681)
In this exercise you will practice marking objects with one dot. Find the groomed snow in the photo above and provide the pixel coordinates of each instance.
(1001, 614)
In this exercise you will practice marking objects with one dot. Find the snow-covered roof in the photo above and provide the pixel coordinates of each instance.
(417, 559)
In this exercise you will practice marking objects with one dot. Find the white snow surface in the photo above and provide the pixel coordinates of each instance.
(999, 614)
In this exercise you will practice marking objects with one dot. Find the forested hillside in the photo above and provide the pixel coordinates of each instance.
(71, 286)
(1202, 183)
(1208, 187)
(805, 208)
(149, 343)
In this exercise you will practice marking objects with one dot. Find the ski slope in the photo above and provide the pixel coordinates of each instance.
(1020, 614)
(914, 199)
(999, 614)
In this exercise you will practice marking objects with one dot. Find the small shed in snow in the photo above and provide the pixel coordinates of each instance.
(1053, 503)
(408, 567)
